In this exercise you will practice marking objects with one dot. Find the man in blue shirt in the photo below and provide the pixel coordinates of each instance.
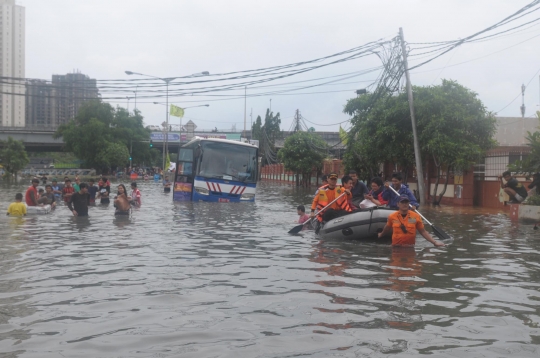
(402, 189)
(358, 189)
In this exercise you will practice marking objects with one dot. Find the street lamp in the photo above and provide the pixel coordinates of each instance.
(167, 80)
(200, 105)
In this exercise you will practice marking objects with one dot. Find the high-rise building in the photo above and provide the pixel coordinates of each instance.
(71, 91)
(12, 64)
(40, 104)
(51, 104)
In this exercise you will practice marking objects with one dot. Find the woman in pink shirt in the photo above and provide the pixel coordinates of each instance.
(301, 210)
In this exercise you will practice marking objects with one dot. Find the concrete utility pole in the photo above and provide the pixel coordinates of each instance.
(418, 159)
(522, 114)
(245, 109)
(297, 121)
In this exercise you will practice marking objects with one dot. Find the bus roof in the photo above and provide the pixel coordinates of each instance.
(219, 140)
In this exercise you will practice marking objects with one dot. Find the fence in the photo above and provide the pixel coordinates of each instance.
(277, 172)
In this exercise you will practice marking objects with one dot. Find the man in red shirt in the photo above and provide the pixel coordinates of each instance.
(403, 225)
(31, 196)
(68, 191)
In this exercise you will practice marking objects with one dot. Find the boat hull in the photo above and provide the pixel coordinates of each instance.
(38, 210)
(360, 225)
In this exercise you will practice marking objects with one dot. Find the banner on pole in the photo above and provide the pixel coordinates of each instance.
(177, 111)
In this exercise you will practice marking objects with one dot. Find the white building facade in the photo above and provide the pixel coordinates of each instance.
(12, 64)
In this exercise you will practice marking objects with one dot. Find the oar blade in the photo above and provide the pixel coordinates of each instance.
(440, 233)
(296, 229)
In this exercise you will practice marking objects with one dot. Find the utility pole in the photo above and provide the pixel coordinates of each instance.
(418, 159)
(245, 109)
(251, 119)
(297, 121)
(522, 114)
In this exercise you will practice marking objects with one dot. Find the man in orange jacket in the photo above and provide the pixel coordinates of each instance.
(403, 225)
(326, 195)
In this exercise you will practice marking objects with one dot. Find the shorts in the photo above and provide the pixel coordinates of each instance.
(167, 190)
(121, 213)
(519, 198)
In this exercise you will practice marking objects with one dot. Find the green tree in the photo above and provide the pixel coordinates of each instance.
(13, 156)
(531, 164)
(256, 129)
(96, 126)
(303, 152)
(454, 130)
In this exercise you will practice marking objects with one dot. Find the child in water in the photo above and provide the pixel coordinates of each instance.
(301, 211)
(166, 185)
(17, 208)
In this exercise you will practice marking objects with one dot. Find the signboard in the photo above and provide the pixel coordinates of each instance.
(175, 137)
(182, 191)
(172, 137)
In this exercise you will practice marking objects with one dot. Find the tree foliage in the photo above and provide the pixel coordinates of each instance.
(97, 126)
(13, 156)
(267, 134)
(454, 128)
(531, 164)
(303, 152)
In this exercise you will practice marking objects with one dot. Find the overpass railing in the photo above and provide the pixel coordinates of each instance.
(29, 129)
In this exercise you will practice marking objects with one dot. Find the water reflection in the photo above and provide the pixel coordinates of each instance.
(200, 279)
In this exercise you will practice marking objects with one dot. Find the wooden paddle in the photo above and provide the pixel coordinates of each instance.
(297, 229)
(438, 232)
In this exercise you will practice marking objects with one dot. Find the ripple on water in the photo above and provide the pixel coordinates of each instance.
(198, 280)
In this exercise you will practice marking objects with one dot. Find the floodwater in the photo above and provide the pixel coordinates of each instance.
(226, 280)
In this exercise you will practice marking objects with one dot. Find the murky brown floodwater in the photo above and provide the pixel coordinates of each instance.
(225, 280)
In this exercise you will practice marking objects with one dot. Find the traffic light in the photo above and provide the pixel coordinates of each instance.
(130, 158)
(151, 144)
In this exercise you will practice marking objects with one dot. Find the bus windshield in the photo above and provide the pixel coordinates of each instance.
(228, 161)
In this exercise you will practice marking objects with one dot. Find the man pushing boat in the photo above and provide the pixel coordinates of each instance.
(404, 223)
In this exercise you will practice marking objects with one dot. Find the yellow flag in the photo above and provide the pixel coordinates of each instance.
(167, 162)
(343, 135)
(177, 111)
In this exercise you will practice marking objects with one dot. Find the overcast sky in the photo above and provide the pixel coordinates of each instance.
(167, 38)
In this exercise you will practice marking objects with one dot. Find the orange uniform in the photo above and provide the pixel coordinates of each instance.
(411, 222)
(326, 195)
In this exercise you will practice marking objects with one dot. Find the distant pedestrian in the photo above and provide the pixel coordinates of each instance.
(104, 191)
(17, 208)
(79, 201)
(92, 190)
(32, 194)
(48, 197)
(68, 191)
(121, 202)
(166, 185)
(76, 184)
(135, 195)
(56, 189)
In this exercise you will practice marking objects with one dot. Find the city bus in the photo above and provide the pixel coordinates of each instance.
(216, 170)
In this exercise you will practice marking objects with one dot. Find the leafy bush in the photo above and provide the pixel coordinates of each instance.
(532, 200)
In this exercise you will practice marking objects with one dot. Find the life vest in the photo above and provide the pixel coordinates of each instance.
(28, 198)
(323, 200)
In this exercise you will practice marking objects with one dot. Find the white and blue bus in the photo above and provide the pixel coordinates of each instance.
(216, 170)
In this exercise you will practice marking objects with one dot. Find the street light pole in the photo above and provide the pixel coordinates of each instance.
(522, 114)
(136, 89)
(167, 81)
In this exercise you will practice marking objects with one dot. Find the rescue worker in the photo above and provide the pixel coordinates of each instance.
(326, 195)
(404, 223)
